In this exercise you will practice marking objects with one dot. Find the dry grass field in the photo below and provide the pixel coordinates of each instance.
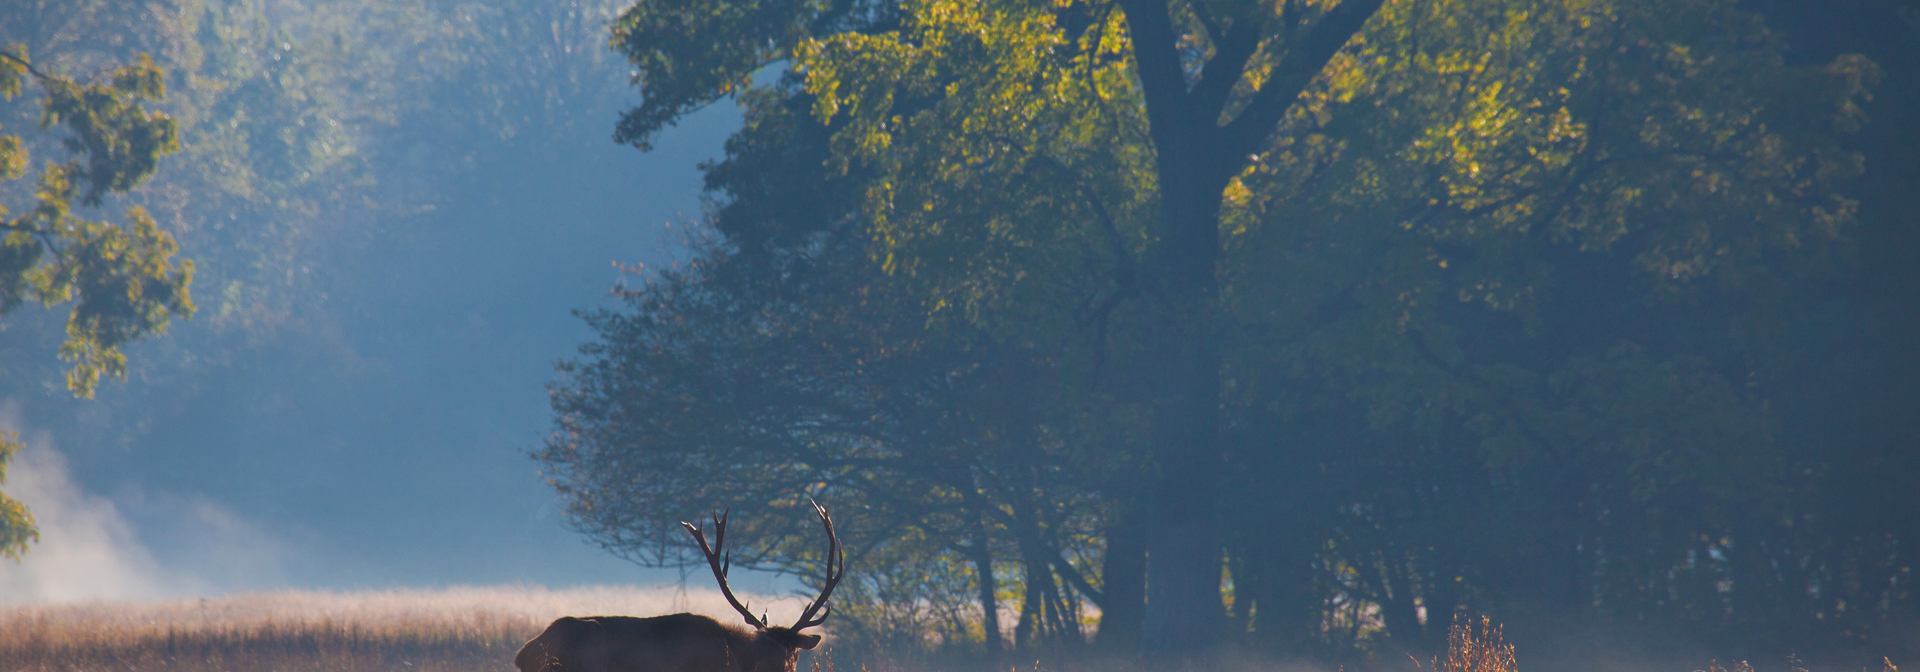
(457, 629)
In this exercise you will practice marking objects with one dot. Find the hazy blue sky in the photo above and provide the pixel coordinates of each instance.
(387, 447)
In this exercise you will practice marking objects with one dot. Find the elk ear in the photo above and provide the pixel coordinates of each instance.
(807, 642)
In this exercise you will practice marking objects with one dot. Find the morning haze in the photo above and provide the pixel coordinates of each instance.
(380, 300)
(1156, 334)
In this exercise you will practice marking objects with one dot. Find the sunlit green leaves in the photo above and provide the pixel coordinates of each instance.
(122, 141)
(995, 138)
(16, 524)
(123, 276)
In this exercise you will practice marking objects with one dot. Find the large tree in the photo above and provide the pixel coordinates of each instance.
(782, 363)
(1522, 288)
(1505, 257)
(1206, 127)
(1214, 81)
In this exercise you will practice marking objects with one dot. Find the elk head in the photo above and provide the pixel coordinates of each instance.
(721, 560)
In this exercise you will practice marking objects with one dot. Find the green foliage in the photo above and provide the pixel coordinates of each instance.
(1543, 243)
(16, 524)
(123, 143)
(915, 594)
(293, 155)
(1003, 154)
(690, 53)
(124, 277)
(757, 388)
(1504, 304)
(784, 364)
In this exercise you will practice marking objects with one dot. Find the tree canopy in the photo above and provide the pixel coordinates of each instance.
(1298, 325)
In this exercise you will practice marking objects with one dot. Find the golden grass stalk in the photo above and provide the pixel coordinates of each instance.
(1475, 647)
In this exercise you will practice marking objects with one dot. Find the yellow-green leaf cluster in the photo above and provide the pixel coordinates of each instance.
(16, 523)
(123, 278)
(994, 138)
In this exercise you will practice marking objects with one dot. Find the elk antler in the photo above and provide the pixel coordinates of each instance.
(836, 566)
(721, 563)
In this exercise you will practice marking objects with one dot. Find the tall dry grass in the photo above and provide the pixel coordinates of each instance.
(1476, 647)
(1886, 665)
(457, 629)
(462, 630)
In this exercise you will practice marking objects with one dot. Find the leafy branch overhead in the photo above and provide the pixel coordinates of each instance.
(123, 278)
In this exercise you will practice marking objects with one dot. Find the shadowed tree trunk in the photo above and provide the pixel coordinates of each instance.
(981, 553)
(1195, 158)
(1397, 607)
(1123, 580)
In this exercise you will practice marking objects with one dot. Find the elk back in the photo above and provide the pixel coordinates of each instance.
(673, 643)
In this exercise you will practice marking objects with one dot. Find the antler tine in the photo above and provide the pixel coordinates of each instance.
(721, 561)
(836, 567)
(720, 543)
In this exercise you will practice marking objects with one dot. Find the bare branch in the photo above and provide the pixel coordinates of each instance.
(24, 64)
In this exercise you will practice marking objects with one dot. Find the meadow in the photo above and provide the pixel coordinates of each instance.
(471, 629)
(448, 630)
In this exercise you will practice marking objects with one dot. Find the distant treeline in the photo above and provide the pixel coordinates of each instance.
(1592, 315)
(302, 130)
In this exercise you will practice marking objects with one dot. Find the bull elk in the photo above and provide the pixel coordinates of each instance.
(685, 642)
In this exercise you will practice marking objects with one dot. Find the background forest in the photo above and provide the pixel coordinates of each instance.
(1594, 316)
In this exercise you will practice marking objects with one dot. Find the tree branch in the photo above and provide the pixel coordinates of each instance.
(1199, 10)
(1073, 576)
(1296, 70)
(1156, 53)
(1229, 63)
(37, 74)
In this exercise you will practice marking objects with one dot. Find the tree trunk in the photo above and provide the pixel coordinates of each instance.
(1123, 580)
(1195, 156)
(982, 556)
(1184, 544)
(1043, 615)
(1281, 580)
(1442, 599)
(1400, 611)
(1029, 614)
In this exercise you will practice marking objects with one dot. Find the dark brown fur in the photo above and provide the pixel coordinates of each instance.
(673, 643)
